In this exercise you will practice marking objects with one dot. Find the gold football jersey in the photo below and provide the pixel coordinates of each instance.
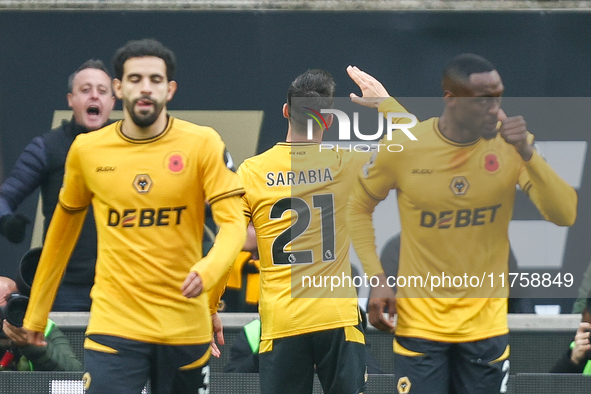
(148, 198)
(296, 196)
(455, 203)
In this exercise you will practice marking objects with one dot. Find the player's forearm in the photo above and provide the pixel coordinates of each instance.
(60, 241)
(360, 225)
(216, 292)
(556, 199)
(227, 214)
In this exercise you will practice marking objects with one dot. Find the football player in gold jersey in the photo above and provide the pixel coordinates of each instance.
(296, 196)
(148, 178)
(456, 187)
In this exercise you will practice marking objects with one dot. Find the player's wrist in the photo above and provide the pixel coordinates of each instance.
(526, 152)
(382, 102)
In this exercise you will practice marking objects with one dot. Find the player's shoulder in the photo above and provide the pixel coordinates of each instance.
(195, 130)
(249, 171)
(423, 132)
(255, 162)
(276, 158)
(426, 127)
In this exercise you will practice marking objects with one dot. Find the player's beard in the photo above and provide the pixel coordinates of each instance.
(489, 131)
(488, 134)
(144, 120)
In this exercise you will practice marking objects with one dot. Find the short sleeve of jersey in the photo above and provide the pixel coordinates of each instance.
(219, 181)
(74, 194)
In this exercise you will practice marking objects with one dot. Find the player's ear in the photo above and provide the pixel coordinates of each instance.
(117, 88)
(285, 111)
(448, 98)
(69, 97)
(329, 120)
(113, 100)
(172, 86)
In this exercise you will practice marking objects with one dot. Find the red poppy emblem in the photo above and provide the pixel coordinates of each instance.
(491, 163)
(175, 163)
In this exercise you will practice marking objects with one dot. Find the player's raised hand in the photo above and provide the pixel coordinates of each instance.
(192, 286)
(514, 131)
(382, 298)
(372, 90)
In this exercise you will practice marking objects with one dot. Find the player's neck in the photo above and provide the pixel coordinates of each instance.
(455, 132)
(135, 132)
(294, 136)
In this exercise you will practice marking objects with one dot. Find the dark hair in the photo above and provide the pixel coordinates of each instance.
(318, 86)
(458, 70)
(588, 304)
(142, 48)
(91, 63)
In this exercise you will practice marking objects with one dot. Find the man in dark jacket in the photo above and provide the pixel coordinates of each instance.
(577, 358)
(17, 354)
(42, 165)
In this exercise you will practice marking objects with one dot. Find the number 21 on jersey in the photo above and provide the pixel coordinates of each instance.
(323, 204)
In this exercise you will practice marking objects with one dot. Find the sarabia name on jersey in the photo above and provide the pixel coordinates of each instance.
(302, 177)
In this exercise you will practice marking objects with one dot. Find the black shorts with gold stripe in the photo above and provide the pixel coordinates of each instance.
(423, 366)
(117, 365)
(287, 364)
